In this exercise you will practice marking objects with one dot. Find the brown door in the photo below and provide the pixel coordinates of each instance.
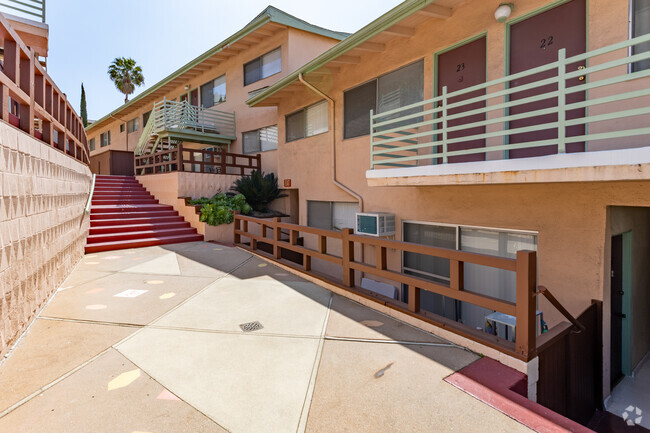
(535, 42)
(458, 69)
(194, 97)
(616, 334)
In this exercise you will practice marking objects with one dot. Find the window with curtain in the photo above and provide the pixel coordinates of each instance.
(91, 144)
(133, 125)
(312, 120)
(640, 26)
(479, 279)
(393, 90)
(331, 215)
(260, 140)
(263, 67)
(213, 92)
(105, 139)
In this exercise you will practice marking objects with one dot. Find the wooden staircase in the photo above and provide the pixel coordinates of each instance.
(125, 215)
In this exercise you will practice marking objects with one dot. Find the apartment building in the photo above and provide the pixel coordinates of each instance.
(487, 128)
(202, 104)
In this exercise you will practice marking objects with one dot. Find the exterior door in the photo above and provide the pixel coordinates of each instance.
(458, 69)
(194, 97)
(535, 42)
(616, 334)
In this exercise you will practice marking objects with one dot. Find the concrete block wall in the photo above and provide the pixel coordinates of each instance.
(43, 228)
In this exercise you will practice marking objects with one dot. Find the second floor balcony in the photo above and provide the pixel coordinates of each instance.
(569, 120)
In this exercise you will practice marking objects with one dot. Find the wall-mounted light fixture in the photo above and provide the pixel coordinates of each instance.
(187, 87)
(503, 12)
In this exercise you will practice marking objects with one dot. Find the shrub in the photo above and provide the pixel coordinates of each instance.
(259, 189)
(220, 208)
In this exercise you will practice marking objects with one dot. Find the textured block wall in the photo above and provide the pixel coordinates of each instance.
(43, 227)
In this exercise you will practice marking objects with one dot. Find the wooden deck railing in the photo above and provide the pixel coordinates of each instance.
(197, 161)
(31, 101)
(524, 266)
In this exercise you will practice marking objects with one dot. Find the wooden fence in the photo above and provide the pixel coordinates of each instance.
(269, 231)
(30, 101)
(198, 161)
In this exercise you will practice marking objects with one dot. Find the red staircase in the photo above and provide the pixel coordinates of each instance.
(124, 215)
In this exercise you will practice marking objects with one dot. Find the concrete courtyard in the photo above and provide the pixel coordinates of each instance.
(151, 340)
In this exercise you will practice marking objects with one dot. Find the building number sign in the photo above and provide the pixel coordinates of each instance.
(546, 42)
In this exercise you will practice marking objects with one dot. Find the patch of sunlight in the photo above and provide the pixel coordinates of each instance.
(281, 274)
(112, 257)
(137, 258)
(129, 252)
(91, 291)
(155, 282)
(262, 265)
(131, 293)
(372, 323)
(168, 295)
(91, 256)
(91, 263)
(167, 395)
(96, 307)
(138, 431)
(124, 379)
(217, 249)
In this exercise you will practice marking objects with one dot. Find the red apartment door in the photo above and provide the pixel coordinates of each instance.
(194, 97)
(458, 69)
(535, 42)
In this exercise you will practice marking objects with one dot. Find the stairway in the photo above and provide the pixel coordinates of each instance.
(124, 215)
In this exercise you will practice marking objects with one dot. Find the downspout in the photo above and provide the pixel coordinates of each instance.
(333, 145)
(332, 116)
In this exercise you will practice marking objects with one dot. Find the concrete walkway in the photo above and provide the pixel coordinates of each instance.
(151, 340)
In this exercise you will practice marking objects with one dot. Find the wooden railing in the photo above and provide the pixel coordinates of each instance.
(269, 231)
(197, 161)
(591, 101)
(30, 100)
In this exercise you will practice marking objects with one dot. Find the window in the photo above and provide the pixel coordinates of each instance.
(105, 139)
(493, 282)
(133, 125)
(388, 92)
(213, 92)
(309, 121)
(91, 144)
(122, 126)
(640, 26)
(145, 117)
(331, 215)
(262, 67)
(260, 140)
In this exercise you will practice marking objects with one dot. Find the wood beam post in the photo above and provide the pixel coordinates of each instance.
(525, 343)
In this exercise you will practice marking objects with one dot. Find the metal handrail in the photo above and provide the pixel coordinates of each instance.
(90, 195)
(421, 131)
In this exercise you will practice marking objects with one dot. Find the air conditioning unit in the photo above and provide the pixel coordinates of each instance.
(375, 224)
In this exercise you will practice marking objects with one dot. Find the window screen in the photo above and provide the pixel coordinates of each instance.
(207, 95)
(316, 118)
(133, 125)
(357, 104)
(400, 88)
(319, 214)
(145, 117)
(251, 141)
(640, 26)
(344, 215)
(91, 144)
(271, 63)
(253, 71)
(296, 126)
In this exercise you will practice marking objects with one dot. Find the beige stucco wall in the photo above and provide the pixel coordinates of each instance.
(570, 219)
(297, 48)
(43, 227)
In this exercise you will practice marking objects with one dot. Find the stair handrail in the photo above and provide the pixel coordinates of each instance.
(542, 290)
(146, 132)
(90, 195)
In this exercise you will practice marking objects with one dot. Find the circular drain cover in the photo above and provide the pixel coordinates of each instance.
(251, 326)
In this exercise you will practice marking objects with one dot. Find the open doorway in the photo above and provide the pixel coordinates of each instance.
(628, 335)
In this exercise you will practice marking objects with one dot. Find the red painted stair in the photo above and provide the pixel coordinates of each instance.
(124, 214)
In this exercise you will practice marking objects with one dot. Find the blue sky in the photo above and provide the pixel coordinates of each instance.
(163, 35)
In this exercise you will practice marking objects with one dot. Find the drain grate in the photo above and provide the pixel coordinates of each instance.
(251, 326)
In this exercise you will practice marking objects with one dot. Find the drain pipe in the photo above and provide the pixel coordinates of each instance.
(332, 116)
(333, 148)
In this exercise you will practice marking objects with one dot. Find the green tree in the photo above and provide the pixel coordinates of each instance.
(125, 74)
(83, 110)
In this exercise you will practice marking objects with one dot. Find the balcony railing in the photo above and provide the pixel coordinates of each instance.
(30, 100)
(197, 161)
(592, 101)
(171, 116)
(32, 9)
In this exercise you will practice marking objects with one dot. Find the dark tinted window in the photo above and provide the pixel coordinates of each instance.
(357, 104)
(296, 126)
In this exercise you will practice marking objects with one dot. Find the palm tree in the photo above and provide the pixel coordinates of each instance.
(126, 75)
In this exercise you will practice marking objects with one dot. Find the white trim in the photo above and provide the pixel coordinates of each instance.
(606, 158)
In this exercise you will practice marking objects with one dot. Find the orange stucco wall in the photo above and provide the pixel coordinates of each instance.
(570, 219)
